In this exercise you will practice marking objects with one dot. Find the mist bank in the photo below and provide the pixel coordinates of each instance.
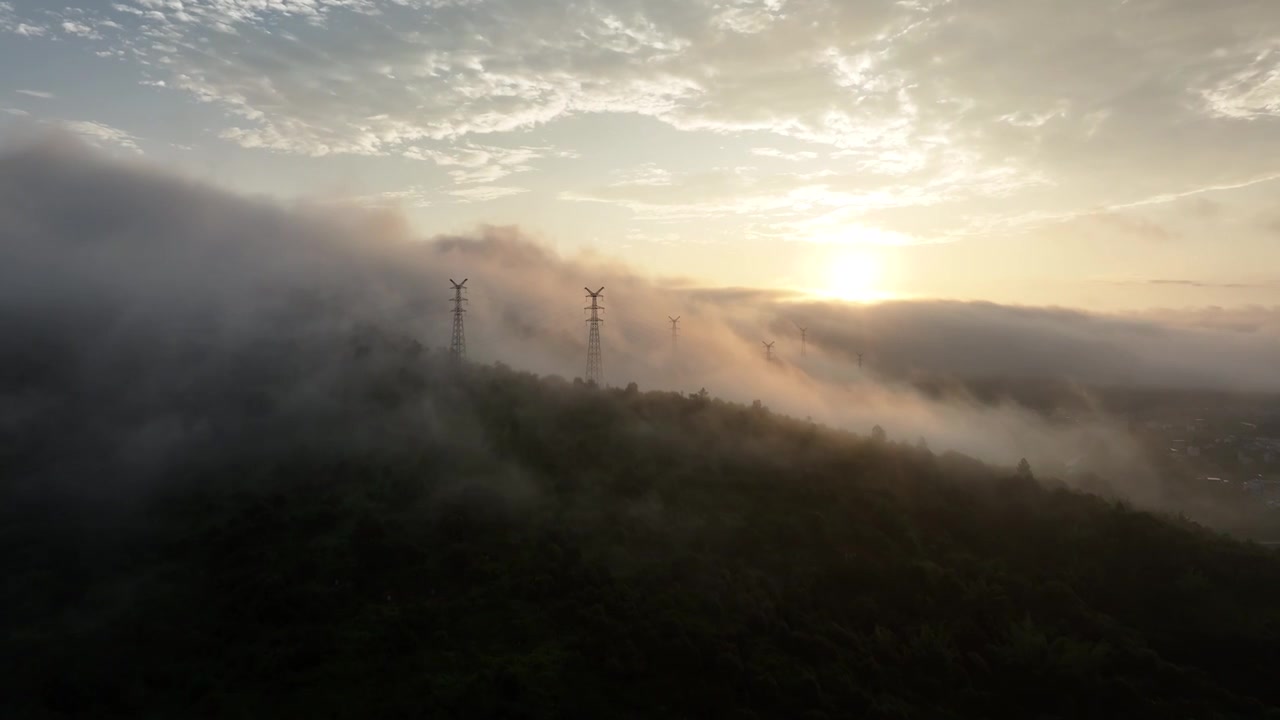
(143, 314)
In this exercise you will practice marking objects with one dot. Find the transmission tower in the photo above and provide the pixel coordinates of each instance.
(804, 340)
(458, 345)
(595, 363)
(768, 351)
(675, 331)
(859, 359)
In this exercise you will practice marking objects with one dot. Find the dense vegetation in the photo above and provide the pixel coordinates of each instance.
(428, 541)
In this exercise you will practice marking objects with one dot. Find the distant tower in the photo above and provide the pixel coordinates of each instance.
(768, 351)
(804, 340)
(458, 345)
(859, 359)
(595, 364)
(675, 331)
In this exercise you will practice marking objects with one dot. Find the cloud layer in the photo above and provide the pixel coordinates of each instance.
(136, 299)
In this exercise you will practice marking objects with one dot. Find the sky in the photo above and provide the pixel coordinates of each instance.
(1110, 155)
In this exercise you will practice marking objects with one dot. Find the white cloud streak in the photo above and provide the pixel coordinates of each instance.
(102, 135)
(483, 193)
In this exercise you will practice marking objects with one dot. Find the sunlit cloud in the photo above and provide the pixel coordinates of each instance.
(103, 135)
(1252, 91)
(922, 122)
(482, 193)
(477, 164)
(779, 154)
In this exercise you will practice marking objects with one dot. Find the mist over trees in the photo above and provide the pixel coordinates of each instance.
(118, 276)
(478, 542)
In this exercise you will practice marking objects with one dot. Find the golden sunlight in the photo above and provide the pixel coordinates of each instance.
(853, 274)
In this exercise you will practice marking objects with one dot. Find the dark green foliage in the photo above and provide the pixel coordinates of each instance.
(570, 551)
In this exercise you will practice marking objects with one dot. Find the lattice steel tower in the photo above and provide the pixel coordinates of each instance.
(675, 331)
(458, 345)
(595, 363)
(768, 351)
(804, 340)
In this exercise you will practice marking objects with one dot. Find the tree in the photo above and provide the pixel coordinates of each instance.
(1024, 469)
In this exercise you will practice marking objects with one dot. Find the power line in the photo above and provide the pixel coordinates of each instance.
(595, 363)
(458, 344)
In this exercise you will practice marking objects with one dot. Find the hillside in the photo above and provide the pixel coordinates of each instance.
(413, 539)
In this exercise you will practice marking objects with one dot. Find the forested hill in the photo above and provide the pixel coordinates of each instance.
(414, 540)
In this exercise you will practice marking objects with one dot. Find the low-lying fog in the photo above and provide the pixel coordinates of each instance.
(124, 286)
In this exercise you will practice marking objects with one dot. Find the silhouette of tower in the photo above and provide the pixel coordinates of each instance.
(675, 331)
(859, 359)
(804, 340)
(458, 345)
(595, 363)
(768, 351)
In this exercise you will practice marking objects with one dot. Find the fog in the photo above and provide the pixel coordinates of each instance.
(136, 307)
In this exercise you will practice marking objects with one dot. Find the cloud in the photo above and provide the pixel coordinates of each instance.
(1196, 283)
(977, 339)
(413, 196)
(748, 16)
(878, 76)
(1003, 114)
(1202, 284)
(136, 289)
(36, 94)
(10, 22)
(482, 193)
(780, 155)
(1252, 91)
(1258, 321)
(406, 78)
(103, 135)
(476, 164)
(79, 29)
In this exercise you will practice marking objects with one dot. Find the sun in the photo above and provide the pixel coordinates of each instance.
(853, 274)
